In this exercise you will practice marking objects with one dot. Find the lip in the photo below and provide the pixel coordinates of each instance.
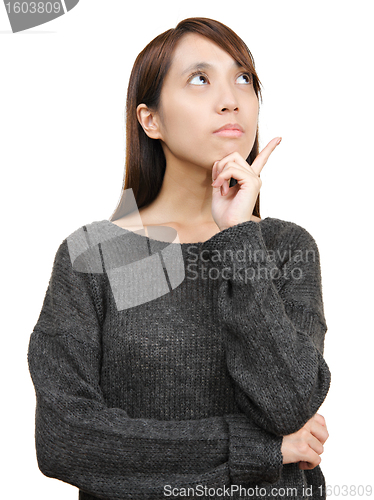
(229, 130)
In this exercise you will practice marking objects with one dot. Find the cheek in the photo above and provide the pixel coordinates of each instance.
(252, 116)
(252, 107)
(184, 121)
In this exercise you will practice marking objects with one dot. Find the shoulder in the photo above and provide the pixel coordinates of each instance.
(81, 248)
(294, 251)
(281, 233)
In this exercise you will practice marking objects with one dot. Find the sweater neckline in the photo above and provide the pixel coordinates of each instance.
(182, 245)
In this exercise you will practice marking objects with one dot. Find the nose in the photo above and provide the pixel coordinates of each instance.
(227, 101)
(229, 107)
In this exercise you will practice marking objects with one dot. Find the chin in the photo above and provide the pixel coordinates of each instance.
(230, 145)
(235, 148)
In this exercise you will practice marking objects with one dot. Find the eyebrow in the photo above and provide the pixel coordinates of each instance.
(205, 66)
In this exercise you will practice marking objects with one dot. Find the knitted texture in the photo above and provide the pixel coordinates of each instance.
(194, 390)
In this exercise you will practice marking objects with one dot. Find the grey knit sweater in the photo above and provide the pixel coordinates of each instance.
(166, 370)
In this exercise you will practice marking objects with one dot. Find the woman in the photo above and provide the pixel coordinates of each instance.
(155, 379)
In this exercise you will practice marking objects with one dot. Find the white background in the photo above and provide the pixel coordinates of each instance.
(62, 102)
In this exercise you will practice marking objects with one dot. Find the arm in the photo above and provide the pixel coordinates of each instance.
(82, 441)
(274, 324)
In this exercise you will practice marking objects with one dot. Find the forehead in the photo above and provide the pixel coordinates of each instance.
(195, 48)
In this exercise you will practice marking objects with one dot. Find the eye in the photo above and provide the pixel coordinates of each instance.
(247, 77)
(198, 79)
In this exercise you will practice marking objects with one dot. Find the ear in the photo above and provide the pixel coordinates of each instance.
(149, 120)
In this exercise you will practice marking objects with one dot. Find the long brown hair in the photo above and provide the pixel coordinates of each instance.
(145, 159)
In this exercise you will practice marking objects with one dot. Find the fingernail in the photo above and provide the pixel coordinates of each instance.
(214, 164)
(278, 141)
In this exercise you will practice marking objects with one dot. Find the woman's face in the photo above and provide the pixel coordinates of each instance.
(204, 90)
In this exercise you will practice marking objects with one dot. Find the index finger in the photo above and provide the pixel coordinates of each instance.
(261, 159)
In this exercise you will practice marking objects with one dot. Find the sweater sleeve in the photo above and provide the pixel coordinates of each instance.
(271, 307)
(100, 449)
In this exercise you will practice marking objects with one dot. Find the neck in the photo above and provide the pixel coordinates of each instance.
(185, 196)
